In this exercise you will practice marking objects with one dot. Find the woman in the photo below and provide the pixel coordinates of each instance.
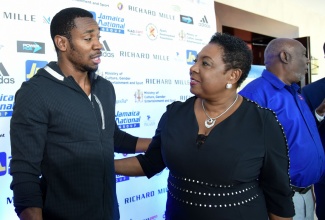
(228, 157)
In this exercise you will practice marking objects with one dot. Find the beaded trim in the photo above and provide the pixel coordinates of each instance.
(284, 135)
(212, 194)
(213, 205)
(200, 182)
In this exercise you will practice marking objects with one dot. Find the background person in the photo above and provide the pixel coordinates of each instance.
(63, 129)
(286, 64)
(314, 94)
(227, 157)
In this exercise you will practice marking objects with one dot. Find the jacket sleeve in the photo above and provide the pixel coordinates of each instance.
(123, 141)
(152, 161)
(274, 177)
(28, 129)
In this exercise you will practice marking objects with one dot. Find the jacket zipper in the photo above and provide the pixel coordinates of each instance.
(101, 111)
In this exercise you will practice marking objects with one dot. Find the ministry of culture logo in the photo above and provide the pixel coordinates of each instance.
(3, 163)
(182, 35)
(186, 19)
(30, 47)
(138, 96)
(32, 66)
(152, 31)
(190, 56)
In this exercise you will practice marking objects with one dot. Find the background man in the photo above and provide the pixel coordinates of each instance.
(286, 63)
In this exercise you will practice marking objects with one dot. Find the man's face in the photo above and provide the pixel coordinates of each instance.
(299, 62)
(84, 49)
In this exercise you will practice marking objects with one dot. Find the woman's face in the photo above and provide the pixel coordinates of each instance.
(208, 75)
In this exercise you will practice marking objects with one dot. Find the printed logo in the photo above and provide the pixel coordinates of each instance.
(182, 35)
(127, 120)
(6, 105)
(135, 32)
(149, 121)
(3, 163)
(19, 17)
(142, 10)
(32, 66)
(152, 31)
(138, 96)
(109, 23)
(30, 47)
(190, 56)
(106, 51)
(120, 6)
(120, 178)
(46, 20)
(204, 22)
(186, 19)
(4, 76)
(167, 16)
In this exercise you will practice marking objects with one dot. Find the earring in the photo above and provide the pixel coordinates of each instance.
(228, 86)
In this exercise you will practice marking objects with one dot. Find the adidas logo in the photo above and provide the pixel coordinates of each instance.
(204, 22)
(106, 51)
(4, 76)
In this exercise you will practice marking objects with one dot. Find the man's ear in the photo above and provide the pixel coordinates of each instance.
(285, 56)
(61, 42)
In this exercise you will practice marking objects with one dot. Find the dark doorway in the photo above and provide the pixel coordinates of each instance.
(257, 42)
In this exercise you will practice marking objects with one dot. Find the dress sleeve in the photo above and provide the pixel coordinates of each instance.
(28, 129)
(152, 161)
(274, 177)
(123, 141)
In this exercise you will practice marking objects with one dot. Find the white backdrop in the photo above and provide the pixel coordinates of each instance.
(149, 46)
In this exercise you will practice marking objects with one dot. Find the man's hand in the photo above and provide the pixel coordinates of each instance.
(320, 110)
(32, 213)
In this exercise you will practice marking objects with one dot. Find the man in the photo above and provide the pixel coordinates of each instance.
(314, 94)
(286, 64)
(63, 130)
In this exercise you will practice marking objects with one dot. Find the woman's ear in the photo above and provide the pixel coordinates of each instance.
(235, 75)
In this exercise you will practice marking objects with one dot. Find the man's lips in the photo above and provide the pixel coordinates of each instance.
(96, 60)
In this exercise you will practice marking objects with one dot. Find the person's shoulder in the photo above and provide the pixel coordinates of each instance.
(180, 104)
(257, 108)
(317, 84)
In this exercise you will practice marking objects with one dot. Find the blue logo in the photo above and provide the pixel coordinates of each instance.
(186, 19)
(110, 23)
(190, 56)
(3, 163)
(126, 120)
(6, 105)
(120, 178)
(32, 66)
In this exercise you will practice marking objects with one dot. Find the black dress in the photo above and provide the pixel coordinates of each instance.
(238, 172)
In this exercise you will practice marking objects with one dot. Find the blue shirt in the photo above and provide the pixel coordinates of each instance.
(307, 160)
